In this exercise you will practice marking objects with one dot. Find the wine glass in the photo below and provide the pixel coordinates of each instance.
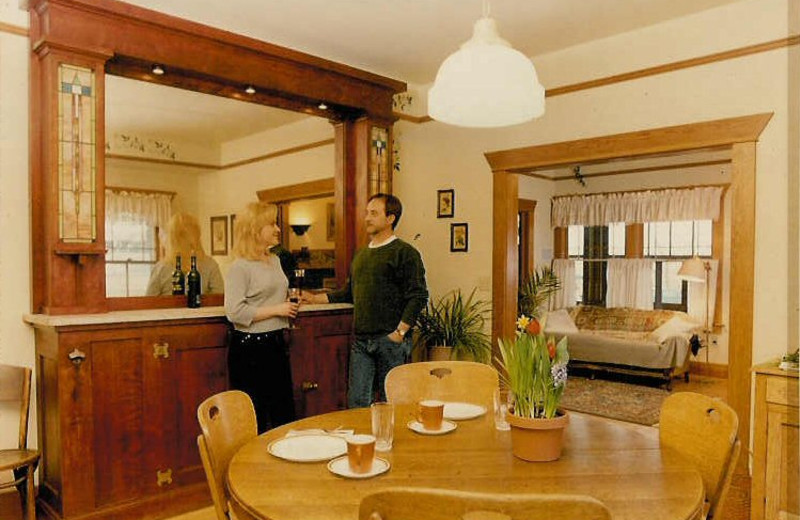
(294, 297)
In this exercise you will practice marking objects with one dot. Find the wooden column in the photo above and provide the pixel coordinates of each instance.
(743, 251)
(505, 279)
(68, 273)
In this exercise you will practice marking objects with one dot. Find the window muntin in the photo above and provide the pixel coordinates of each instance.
(131, 253)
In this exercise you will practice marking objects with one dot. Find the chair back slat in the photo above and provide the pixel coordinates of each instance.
(462, 381)
(227, 421)
(15, 388)
(443, 504)
(704, 430)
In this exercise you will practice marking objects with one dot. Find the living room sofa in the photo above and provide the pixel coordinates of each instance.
(650, 342)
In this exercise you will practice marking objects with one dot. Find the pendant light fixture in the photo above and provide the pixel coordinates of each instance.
(486, 83)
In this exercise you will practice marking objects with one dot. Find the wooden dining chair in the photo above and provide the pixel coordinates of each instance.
(463, 381)
(227, 421)
(443, 504)
(704, 430)
(15, 391)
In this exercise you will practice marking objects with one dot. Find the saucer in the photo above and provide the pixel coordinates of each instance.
(463, 411)
(308, 448)
(341, 467)
(447, 427)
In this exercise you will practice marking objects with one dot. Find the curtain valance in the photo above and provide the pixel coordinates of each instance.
(152, 208)
(637, 207)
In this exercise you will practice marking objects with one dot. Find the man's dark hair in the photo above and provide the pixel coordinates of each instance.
(392, 205)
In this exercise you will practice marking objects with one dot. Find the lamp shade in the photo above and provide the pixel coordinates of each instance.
(486, 83)
(693, 270)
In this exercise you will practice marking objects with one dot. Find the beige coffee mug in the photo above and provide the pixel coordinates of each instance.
(431, 413)
(360, 452)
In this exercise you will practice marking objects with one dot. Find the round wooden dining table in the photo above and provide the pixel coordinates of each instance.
(620, 464)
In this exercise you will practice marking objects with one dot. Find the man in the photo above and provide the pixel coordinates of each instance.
(387, 289)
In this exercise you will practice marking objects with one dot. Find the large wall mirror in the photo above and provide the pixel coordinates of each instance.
(170, 151)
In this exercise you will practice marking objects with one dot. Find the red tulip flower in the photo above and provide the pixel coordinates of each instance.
(551, 349)
(534, 327)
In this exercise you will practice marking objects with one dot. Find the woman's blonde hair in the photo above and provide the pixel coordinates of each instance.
(247, 230)
(183, 238)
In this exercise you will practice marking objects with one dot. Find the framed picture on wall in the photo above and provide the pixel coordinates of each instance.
(233, 220)
(330, 222)
(219, 235)
(446, 202)
(459, 237)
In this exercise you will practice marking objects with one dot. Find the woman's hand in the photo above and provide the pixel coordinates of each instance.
(287, 309)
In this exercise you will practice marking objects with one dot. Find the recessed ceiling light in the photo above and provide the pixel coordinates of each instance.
(250, 90)
(322, 106)
(157, 69)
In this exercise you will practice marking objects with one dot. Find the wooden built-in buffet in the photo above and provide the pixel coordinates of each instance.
(117, 395)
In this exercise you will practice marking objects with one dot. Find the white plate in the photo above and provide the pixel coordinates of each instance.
(341, 467)
(463, 411)
(447, 427)
(308, 448)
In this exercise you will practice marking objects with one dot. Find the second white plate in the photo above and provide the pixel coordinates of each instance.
(463, 411)
(308, 448)
(447, 427)
(341, 467)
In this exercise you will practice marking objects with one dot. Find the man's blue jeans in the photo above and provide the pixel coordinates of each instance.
(371, 358)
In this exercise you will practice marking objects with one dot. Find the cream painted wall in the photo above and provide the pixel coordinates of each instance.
(453, 157)
(227, 191)
(183, 181)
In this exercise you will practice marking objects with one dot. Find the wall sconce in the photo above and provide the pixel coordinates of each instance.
(300, 229)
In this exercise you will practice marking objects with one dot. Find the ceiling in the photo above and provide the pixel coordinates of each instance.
(401, 39)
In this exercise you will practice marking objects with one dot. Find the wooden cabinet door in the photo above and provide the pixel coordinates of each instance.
(191, 365)
(319, 348)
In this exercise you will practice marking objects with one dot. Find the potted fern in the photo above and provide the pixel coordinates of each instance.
(453, 327)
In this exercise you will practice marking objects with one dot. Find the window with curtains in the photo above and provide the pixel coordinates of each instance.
(591, 246)
(131, 253)
(669, 244)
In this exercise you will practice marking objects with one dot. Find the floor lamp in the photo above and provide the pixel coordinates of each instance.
(698, 270)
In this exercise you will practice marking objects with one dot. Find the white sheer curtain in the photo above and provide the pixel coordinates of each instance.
(630, 282)
(564, 268)
(154, 209)
(696, 304)
(640, 206)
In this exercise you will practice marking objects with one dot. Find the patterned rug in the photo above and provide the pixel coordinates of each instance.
(621, 401)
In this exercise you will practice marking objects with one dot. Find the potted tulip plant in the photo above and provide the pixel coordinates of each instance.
(534, 367)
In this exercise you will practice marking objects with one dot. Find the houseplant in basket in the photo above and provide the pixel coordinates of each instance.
(535, 369)
(458, 324)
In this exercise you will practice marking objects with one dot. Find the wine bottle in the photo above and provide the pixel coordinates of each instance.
(193, 285)
(178, 281)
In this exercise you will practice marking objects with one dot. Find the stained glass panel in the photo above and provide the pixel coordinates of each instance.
(379, 174)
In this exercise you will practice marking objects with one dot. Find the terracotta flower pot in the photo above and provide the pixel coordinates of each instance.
(538, 440)
(439, 353)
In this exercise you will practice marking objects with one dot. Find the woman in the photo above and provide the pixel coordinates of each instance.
(183, 239)
(255, 302)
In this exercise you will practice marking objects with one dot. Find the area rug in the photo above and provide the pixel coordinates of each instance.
(622, 401)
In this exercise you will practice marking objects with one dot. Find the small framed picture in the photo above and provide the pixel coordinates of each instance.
(446, 202)
(459, 237)
(233, 221)
(219, 235)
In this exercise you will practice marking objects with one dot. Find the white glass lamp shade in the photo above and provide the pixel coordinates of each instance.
(693, 270)
(486, 83)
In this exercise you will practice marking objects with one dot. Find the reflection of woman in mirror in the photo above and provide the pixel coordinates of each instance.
(256, 304)
(183, 238)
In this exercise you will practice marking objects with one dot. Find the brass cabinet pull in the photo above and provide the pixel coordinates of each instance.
(307, 386)
(163, 478)
(161, 350)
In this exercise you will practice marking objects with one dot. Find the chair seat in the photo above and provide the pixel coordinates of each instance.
(10, 459)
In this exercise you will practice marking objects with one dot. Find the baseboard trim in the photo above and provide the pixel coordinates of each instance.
(708, 369)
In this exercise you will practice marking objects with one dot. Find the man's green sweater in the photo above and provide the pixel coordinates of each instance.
(386, 286)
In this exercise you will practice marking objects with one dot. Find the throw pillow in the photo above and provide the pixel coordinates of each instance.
(675, 326)
(559, 321)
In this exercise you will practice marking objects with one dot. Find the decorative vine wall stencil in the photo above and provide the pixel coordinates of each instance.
(141, 145)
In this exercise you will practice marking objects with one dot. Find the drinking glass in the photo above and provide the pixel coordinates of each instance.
(383, 425)
(294, 297)
(502, 400)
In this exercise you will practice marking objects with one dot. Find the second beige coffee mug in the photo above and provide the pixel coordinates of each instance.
(431, 412)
